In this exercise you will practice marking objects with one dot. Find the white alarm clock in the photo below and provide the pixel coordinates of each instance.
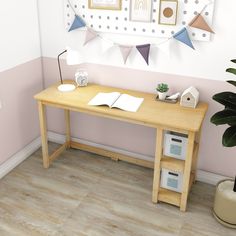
(81, 78)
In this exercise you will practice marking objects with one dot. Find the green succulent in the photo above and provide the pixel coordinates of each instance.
(162, 88)
(228, 114)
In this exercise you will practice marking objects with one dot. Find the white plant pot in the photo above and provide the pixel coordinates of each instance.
(225, 203)
(162, 96)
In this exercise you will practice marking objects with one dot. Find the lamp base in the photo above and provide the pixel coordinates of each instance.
(66, 87)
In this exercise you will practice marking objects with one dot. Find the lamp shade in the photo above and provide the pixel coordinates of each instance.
(73, 57)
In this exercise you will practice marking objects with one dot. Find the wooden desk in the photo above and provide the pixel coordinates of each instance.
(161, 116)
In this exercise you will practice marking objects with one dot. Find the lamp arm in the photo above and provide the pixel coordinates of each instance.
(59, 65)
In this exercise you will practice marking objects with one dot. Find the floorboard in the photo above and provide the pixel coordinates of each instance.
(87, 195)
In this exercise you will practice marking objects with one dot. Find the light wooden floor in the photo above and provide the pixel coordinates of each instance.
(84, 194)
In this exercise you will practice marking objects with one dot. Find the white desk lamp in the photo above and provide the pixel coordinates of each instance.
(72, 59)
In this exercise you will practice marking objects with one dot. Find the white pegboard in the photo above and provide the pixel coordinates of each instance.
(115, 21)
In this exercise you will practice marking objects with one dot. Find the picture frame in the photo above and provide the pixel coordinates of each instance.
(105, 4)
(168, 12)
(141, 10)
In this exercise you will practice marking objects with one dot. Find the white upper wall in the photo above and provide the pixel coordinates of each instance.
(19, 33)
(209, 61)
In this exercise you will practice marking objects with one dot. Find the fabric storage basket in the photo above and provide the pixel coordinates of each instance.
(175, 145)
(172, 180)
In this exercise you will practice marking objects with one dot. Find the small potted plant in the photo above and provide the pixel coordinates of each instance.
(162, 90)
(225, 198)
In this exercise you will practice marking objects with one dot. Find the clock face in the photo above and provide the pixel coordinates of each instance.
(81, 80)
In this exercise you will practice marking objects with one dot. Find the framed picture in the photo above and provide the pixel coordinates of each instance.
(168, 12)
(105, 4)
(141, 10)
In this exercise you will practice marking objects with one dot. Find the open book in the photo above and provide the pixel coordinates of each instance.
(118, 100)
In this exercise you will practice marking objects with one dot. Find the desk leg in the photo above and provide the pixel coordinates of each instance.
(43, 130)
(157, 165)
(68, 133)
(187, 171)
(195, 160)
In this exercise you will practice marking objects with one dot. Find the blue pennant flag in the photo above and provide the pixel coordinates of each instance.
(183, 37)
(77, 23)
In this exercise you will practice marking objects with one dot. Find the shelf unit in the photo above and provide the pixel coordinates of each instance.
(187, 167)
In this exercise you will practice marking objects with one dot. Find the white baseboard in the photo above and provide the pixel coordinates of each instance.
(58, 138)
(15, 160)
(202, 176)
(210, 178)
(19, 157)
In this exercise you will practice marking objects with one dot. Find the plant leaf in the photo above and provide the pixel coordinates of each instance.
(231, 70)
(224, 117)
(234, 60)
(232, 82)
(229, 137)
(228, 99)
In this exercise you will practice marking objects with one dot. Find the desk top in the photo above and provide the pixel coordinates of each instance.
(151, 113)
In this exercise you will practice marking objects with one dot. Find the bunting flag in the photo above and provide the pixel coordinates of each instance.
(90, 35)
(147, 51)
(183, 37)
(200, 23)
(106, 45)
(77, 23)
(125, 51)
(153, 55)
(144, 51)
(165, 47)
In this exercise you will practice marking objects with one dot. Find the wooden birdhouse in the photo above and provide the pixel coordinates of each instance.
(190, 97)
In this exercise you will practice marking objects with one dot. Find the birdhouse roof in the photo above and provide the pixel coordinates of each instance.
(191, 90)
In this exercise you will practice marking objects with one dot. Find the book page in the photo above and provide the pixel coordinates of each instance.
(104, 99)
(128, 103)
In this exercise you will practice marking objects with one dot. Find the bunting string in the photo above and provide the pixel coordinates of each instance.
(206, 5)
(182, 35)
(72, 7)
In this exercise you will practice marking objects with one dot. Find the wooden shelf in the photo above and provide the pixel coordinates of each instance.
(172, 197)
(173, 164)
(169, 196)
(177, 165)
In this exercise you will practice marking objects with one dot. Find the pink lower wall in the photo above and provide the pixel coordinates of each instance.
(18, 116)
(212, 156)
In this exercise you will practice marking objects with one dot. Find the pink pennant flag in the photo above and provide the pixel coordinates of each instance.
(106, 45)
(90, 35)
(200, 23)
(125, 51)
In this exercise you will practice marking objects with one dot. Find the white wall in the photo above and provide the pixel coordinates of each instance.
(19, 33)
(208, 61)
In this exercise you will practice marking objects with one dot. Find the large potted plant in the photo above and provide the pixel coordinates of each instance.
(225, 198)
